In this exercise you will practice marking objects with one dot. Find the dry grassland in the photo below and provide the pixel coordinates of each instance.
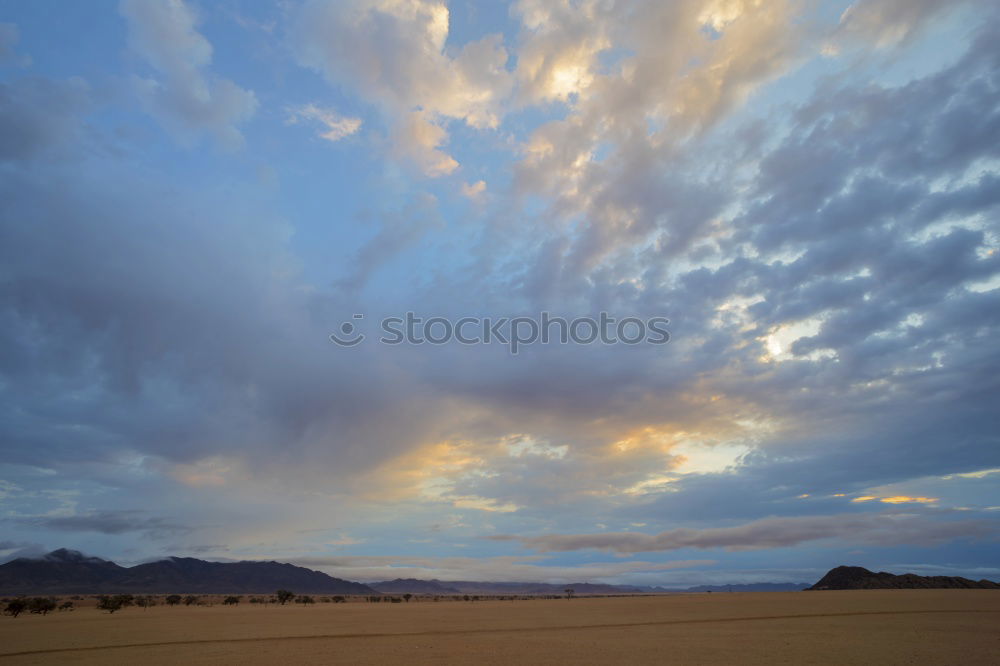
(851, 627)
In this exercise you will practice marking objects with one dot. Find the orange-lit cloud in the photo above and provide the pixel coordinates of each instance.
(903, 499)
(895, 499)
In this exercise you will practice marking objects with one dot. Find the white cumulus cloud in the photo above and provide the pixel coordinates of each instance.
(336, 126)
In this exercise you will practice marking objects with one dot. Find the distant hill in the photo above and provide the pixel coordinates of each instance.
(739, 587)
(70, 572)
(485, 587)
(414, 586)
(859, 578)
(417, 586)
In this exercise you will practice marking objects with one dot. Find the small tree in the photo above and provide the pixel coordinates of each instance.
(190, 600)
(41, 605)
(570, 593)
(231, 601)
(111, 604)
(66, 605)
(407, 596)
(15, 607)
(304, 599)
(145, 602)
(339, 599)
(284, 596)
(173, 599)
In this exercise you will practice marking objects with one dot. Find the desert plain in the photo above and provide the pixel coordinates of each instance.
(830, 627)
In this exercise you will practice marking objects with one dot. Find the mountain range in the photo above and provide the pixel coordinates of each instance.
(70, 572)
(740, 587)
(859, 578)
(66, 571)
(416, 586)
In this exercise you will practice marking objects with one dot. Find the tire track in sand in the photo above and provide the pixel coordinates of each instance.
(488, 630)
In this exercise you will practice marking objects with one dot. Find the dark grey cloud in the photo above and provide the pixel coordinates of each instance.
(131, 329)
(397, 232)
(870, 529)
(39, 115)
(20, 549)
(9, 36)
(109, 522)
(197, 550)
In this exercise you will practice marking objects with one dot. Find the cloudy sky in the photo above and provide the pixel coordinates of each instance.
(194, 195)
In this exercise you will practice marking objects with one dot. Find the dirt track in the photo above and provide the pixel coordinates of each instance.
(898, 626)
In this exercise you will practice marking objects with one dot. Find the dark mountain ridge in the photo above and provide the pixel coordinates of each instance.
(70, 572)
(438, 587)
(736, 587)
(415, 586)
(859, 578)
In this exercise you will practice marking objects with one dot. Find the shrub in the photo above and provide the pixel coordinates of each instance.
(15, 607)
(284, 596)
(231, 601)
(190, 599)
(114, 603)
(173, 599)
(304, 599)
(41, 605)
(66, 605)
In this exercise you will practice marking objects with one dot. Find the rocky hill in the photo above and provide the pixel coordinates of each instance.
(859, 578)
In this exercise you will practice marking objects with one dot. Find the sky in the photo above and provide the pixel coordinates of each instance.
(194, 195)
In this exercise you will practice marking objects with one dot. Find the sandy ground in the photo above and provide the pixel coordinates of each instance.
(862, 627)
